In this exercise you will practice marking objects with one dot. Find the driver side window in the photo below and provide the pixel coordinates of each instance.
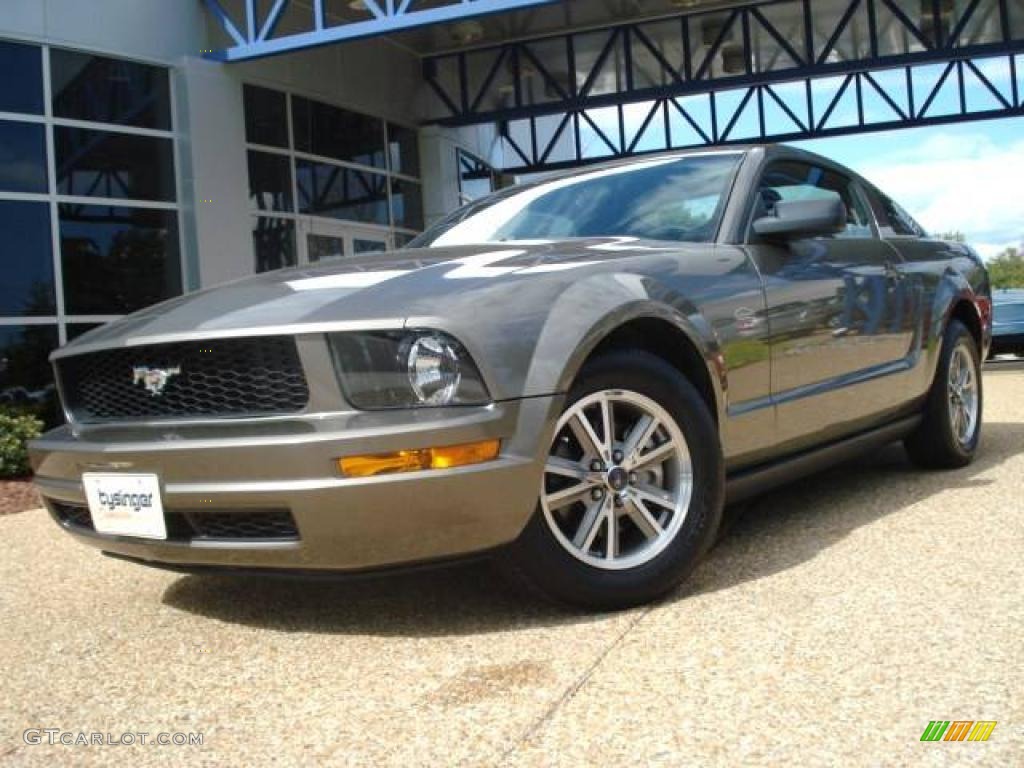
(789, 180)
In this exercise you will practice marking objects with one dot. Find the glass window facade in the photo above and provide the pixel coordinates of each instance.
(104, 164)
(118, 260)
(21, 89)
(273, 243)
(266, 117)
(26, 379)
(314, 165)
(342, 193)
(26, 256)
(270, 181)
(328, 131)
(97, 89)
(22, 157)
(70, 260)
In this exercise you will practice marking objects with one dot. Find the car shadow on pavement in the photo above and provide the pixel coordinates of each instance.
(775, 532)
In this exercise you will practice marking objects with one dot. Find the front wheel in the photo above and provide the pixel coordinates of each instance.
(632, 490)
(950, 432)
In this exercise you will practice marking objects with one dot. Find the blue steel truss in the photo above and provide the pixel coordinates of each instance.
(769, 70)
(255, 37)
(858, 102)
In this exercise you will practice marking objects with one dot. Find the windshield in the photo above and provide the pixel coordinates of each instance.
(676, 198)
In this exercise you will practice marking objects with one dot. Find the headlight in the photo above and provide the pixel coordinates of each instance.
(406, 369)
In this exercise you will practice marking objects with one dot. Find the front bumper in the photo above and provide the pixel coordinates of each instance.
(342, 523)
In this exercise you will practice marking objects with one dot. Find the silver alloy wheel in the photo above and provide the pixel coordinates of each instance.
(963, 394)
(618, 480)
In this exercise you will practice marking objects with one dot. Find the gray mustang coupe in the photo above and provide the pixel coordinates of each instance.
(574, 375)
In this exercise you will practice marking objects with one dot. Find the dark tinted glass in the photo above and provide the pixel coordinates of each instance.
(21, 82)
(102, 164)
(342, 193)
(26, 259)
(323, 247)
(22, 157)
(407, 204)
(321, 129)
(26, 378)
(118, 260)
(266, 117)
(404, 150)
(270, 182)
(273, 242)
(402, 239)
(74, 330)
(95, 88)
(368, 246)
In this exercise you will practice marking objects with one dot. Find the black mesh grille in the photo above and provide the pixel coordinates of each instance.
(71, 514)
(230, 377)
(269, 524)
(208, 525)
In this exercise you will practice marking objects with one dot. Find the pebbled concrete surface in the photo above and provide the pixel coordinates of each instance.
(836, 619)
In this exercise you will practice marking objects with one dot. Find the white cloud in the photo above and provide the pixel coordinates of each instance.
(958, 182)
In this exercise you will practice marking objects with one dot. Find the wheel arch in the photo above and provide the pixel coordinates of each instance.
(666, 335)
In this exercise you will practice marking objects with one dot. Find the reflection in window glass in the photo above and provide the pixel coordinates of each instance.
(22, 157)
(117, 260)
(74, 330)
(342, 193)
(26, 379)
(26, 259)
(321, 129)
(790, 180)
(266, 117)
(270, 182)
(323, 247)
(407, 204)
(476, 178)
(369, 246)
(98, 89)
(660, 199)
(102, 164)
(403, 150)
(21, 87)
(402, 239)
(273, 243)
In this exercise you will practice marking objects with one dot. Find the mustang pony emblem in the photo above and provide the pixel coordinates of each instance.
(154, 379)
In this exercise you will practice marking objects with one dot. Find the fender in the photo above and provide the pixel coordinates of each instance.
(586, 313)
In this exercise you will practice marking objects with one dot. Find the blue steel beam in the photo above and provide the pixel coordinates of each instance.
(386, 20)
(728, 57)
(704, 120)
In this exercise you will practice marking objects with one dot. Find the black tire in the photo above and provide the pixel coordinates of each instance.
(934, 444)
(540, 563)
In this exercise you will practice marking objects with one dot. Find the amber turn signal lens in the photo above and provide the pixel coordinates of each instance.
(420, 459)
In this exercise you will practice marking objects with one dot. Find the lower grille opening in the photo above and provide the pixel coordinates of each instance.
(276, 524)
(203, 524)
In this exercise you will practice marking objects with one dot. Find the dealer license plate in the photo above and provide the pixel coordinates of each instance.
(126, 505)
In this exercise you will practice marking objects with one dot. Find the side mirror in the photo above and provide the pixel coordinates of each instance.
(803, 218)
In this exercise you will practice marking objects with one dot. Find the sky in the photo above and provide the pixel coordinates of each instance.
(967, 177)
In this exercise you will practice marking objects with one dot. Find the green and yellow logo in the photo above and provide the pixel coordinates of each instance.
(958, 730)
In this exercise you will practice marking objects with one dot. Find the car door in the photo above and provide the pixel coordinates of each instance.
(834, 313)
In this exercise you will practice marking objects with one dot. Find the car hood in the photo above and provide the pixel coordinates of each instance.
(382, 291)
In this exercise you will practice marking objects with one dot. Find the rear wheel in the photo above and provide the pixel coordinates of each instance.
(948, 436)
(632, 489)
